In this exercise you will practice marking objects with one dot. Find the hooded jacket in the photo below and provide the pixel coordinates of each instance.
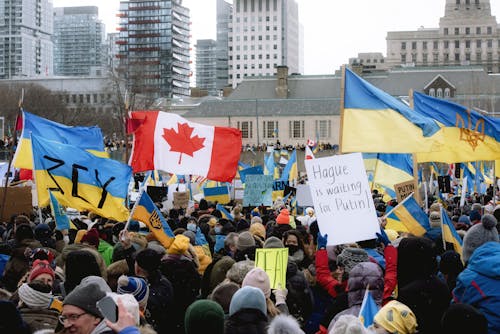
(478, 285)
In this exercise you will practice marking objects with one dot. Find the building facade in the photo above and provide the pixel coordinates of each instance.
(263, 34)
(224, 16)
(206, 65)
(467, 35)
(26, 48)
(79, 42)
(154, 47)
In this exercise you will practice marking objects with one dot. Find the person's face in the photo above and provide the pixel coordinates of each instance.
(291, 240)
(77, 321)
(45, 279)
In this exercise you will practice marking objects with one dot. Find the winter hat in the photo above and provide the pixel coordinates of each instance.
(148, 259)
(180, 245)
(245, 240)
(435, 219)
(91, 237)
(284, 323)
(248, 297)
(478, 235)
(40, 267)
(351, 257)
(12, 322)
(416, 260)
(242, 225)
(191, 236)
(258, 278)
(463, 319)
(35, 295)
(255, 219)
(223, 293)
(273, 242)
(204, 316)
(220, 270)
(464, 220)
(42, 231)
(136, 286)
(474, 215)
(258, 230)
(451, 263)
(23, 232)
(255, 212)
(239, 270)
(435, 207)
(86, 298)
(348, 324)
(283, 218)
(396, 317)
(103, 285)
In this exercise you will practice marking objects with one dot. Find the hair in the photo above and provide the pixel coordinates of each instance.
(272, 310)
(230, 240)
(295, 233)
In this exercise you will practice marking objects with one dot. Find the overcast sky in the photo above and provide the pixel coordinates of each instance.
(334, 31)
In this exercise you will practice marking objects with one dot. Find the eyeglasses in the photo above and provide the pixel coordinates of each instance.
(70, 318)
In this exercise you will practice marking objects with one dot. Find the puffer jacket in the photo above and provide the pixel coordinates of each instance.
(479, 284)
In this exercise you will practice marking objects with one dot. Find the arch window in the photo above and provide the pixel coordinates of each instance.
(447, 92)
(439, 92)
(432, 92)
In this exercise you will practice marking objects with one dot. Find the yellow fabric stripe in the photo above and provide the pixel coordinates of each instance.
(143, 215)
(411, 224)
(448, 237)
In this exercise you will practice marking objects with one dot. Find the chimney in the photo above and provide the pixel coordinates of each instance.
(282, 84)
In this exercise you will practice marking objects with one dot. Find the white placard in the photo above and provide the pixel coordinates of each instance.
(342, 198)
(304, 197)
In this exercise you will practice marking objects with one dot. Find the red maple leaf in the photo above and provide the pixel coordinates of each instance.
(182, 141)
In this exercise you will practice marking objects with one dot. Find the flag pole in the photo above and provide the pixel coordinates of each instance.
(414, 156)
(133, 209)
(126, 106)
(34, 181)
(11, 152)
(342, 102)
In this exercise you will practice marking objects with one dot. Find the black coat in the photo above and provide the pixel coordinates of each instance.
(247, 321)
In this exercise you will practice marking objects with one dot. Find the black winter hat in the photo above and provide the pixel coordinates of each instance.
(86, 298)
(148, 259)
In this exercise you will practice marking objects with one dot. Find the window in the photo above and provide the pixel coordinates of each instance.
(432, 92)
(403, 59)
(467, 56)
(467, 31)
(424, 58)
(447, 92)
(457, 44)
(296, 129)
(413, 45)
(478, 43)
(403, 45)
(271, 129)
(478, 56)
(446, 57)
(435, 57)
(446, 44)
(457, 56)
(457, 31)
(467, 44)
(435, 45)
(439, 92)
(246, 129)
(414, 57)
(324, 128)
(489, 43)
(488, 30)
(478, 30)
(424, 45)
(445, 31)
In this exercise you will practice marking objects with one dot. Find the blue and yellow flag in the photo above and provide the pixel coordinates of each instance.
(79, 179)
(219, 193)
(270, 167)
(62, 220)
(82, 137)
(290, 171)
(450, 235)
(225, 213)
(411, 215)
(467, 134)
(368, 309)
(255, 170)
(147, 212)
(374, 121)
(388, 169)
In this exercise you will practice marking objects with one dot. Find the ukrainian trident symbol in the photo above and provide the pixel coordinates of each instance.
(468, 133)
(155, 221)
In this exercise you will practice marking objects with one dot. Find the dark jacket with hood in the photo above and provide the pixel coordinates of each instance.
(247, 321)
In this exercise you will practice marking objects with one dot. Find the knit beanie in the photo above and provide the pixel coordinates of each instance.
(148, 259)
(23, 232)
(474, 215)
(223, 294)
(86, 298)
(191, 236)
(258, 278)
(42, 231)
(273, 242)
(348, 324)
(35, 295)
(478, 235)
(463, 319)
(283, 218)
(396, 317)
(136, 286)
(179, 246)
(103, 285)
(248, 297)
(435, 219)
(204, 316)
(351, 257)
(242, 225)
(40, 267)
(451, 263)
(219, 271)
(255, 219)
(91, 237)
(245, 240)
(239, 270)
(257, 229)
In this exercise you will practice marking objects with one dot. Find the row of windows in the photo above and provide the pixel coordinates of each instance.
(439, 92)
(446, 44)
(253, 5)
(252, 38)
(252, 57)
(253, 18)
(446, 57)
(252, 28)
(252, 47)
(296, 129)
(252, 66)
(467, 30)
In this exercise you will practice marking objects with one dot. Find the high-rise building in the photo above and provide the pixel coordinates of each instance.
(25, 38)
(154, 47)
(263, 35)
(79, 38)
(206, 65)
(467, 35)
(224, 14)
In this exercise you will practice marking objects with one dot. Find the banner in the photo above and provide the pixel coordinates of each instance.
(274, 262)
(258, 190)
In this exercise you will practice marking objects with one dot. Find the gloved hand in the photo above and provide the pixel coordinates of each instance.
(280, 295)
(322, 240)
(383, 238)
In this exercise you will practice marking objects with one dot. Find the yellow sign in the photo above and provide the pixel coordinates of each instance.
(274, 262)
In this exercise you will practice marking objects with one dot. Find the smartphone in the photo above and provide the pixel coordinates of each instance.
(108, 308)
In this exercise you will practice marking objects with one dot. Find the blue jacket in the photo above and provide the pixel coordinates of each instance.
(479, 284)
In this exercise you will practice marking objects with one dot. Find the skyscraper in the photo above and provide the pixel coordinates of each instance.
(263, 35)
(206, 65)
(79, 38)
(224, 11)
(154, 47)
(25, 38)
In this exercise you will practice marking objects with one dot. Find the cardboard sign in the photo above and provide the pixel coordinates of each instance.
(258, 190)
(18, 202)
(274, 262)
(404, 189)
(342, 198)
(181, 200)
(304, 197)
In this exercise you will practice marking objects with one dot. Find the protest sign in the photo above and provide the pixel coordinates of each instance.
(279, 188)
(404, 189)
(342, 198)
(181, 200)
(18, 202)
(274, 262)
(304, 197)
(258, 190)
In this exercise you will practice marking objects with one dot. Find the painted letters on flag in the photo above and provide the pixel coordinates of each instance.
(168, 142)
(83, 137)
(79, 179)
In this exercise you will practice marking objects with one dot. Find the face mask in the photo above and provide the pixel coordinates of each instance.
(217, 229)
(191, 227)
(292, 249)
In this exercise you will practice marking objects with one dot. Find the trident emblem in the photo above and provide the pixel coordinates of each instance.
(469, 134)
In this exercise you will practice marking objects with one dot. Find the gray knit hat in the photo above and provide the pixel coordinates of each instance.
(245, 240)
(239, 270)
(478, 235)
(86, 298)
(351, 257)
(273, 242)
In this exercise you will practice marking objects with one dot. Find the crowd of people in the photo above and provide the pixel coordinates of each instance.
(206, 280)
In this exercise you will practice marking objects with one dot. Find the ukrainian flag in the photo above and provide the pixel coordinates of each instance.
(225, 213)
(290, 171)
(389, 169)
(411, 215)
(468, 135)
(270, 167)
(374, 121)
(79, 179)
(62, 220)
(147, 212)
(450, 235)
(219, 194)
(85, 138)
(256, 170)
(368, 309)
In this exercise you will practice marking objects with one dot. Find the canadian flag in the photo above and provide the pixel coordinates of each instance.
(168, 142)
(309, 155)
